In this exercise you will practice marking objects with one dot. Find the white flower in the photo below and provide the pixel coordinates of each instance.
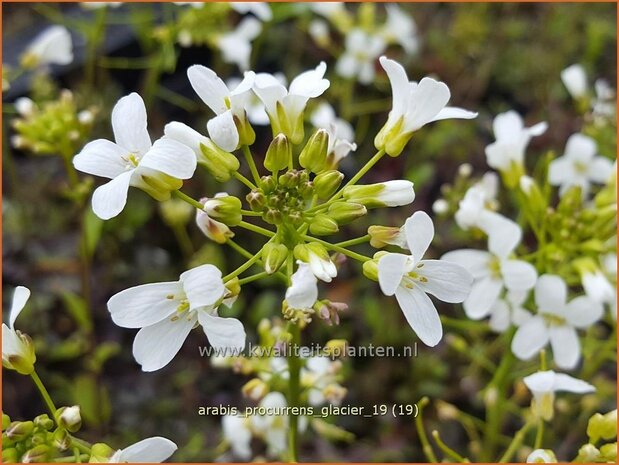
(261, 10)
(235, 46)
(24, 106)
(555, 322)
(598, 287)
(227, 104)
(604, 104)
(494, 270)
(575, 80)
(511, 142)
(273, 428)
(544, 384)
(133, 161)
(509, 310)
(168, 311)
(410, 278)
(359, 58)
(17, 349)
(319, 377)
(542, 456)
(303, 290)
(414, 105)
(478, 203)
(53, 46)
(316, 256)
(579, 166)
(327, 9)
(151, 450)
(254, 107)
(237, 432)
(401, 29)
(285, 107)
(319, 31)
(341, 133)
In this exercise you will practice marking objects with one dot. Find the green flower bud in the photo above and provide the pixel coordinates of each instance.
(588, 454)
(9, 455)
(39, 438)
(61, 439)
(380, 236)
(69, 418)
(100, 453)
(278, 154)
(272, 216)
(268, 184)
(256, 200)
(6, 421)
(225, 208)
(218, 162)
(608, 453)
(602, 426)
(323, 225)
(370, 268)
(159, 185)
(314, 154)
(327, 182)
(290, 179)
(391, 139)
(44, 422)
(273, 256)
(346, 212)
(19, 430)
(296, 218)
(247, 136)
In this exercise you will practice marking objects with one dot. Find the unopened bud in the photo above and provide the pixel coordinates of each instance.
(323, 225)
(69, 418)
(346, 212)
(278, 154)
(314, 154)
(38, 454)
(370, 270)
(62, 439)
(218, 162)
(247, 136)
(327, 182)
(588, 454)
(268, 184)
(272, 216)
(380, 236)
(214, 230)
(19, 430)
(6, 421)
(387, 194)
(602, 426)
(225, 208)
(100, 453)
(255, 389)
(274, 256)
(256, 200)
(9, 455)
(608, 452)
(44, 422)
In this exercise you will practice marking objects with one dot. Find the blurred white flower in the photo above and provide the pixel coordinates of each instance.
(509, 310)
(605, 102)
(579, 166)
(575, 81)
(17, 348)
(410, 278)
(237, 432)
(327, 9)
(511, 142)
(414, 105)
(151, 450)
(400, 28)
(303, 290)
(542, 456)
(544, 384)
(261, 10)
(341, 133)
(319, 31)
(494, 271)
(24, 106)
(359, 58)
(53, 46)
(235, 46)
(273, 428)
(227, 104)
(166, 313)
(319, 377)
(556, 322)
(133, 161)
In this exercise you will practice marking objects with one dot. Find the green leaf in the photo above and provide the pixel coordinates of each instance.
(76, 306)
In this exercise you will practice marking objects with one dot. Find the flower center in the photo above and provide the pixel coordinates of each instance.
(412, 277)
(495, 267)
(554, 320)
(132, 160)
(580, 167)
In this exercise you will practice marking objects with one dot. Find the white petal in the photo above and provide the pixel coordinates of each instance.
(565, 346)
(582, 312)
(575, 80)
(203, 286)
(477, 262)
(484, 293)
(21, 295)
(129, 124)
(454, 113)
(221, 332)
(580, 148)
(151, 450)
(170, 157)
(144, 305)
(261, 9)
(541, 382)
(531, 337)
(397, 193)
(102, 158)
(499, 316)
(209, 87)
(238, 435)
(155, 346)
(270, 90)
(600, 170)
(391, 269)
(223, 131)
(447, 281)
(550, 293)
(109, 199)
(420, 314)
(560, 171)
(419, 234)
(53, 46)
(538, 129)
(400, 87)
(185, 135)
(235, 49)
(568, 383)
(428, 99)
(507, 126)
(304, 289)
(518, 275)
(249, 28)
(310, 83)
(503, 233)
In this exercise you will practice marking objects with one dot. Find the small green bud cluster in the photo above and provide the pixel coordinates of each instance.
(600, 428)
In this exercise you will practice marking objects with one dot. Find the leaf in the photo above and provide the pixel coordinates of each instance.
(76, 306)
(93, 399)
(92, 227)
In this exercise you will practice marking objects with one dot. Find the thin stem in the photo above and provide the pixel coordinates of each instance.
(516, 442)
(342, 250)
(539, 434)
(448, 450)
(46, 397)
(357, 241)
(253, 277)
(252, 164)
(423, 438)
(244, 180)
(256, 229)
(193, 202)
(294, 368)
(70, 170)
(245, 266)
(183, 239)
(247, 254)
(82, 445)
(250, 213)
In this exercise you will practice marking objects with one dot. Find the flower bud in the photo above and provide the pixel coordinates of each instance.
(588, 454)
(608, 453)
(272, 216)
(218, 162)
(6, 421)
(17, 351)
(346, 212)
(327, 182)
(602, 426)
(69, 418)
(214, 230)
(255, 389)
(44, 422)
(290, 179)
(19, 430)
(225, 208)
(273, 256)
(380, 236)
(386, 194)
(278, 154)
(37, 454)
(61, 439)
(247, 136)
(323, 225)
(100, 453)
(9, 455)
(318, 259)
(256, 200)
(314, 154)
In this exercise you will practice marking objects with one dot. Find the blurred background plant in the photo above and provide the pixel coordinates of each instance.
(495, 57)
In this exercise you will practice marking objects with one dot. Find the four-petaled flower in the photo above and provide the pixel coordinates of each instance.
(410, 278)
(359, 58)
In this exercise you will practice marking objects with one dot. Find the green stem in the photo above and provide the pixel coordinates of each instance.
(244, 180)
(46, 397)
(423, 438)
(247, 254)
(357, 241)
(256, 229)
(248, 264)
(342, 250)
(539, 434)
(254, 277)
(70, 170)
(250, 213)
(193, 202)
(294, 368)
(82, 445)
(252, 164)
(448, 450)
(516, 442)
(183, 239)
